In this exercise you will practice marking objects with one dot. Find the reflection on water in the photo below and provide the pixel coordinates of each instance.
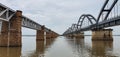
(39, 52)
(10, 52)
(63, 47)
(39, 49)
(102, 48)
(78, 46)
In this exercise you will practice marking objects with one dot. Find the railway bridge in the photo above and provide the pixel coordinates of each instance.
(10, 27)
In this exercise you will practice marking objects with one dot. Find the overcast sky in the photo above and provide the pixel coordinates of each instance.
(57, 15)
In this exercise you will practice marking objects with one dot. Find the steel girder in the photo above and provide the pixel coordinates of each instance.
(28, 23)
(7, 13)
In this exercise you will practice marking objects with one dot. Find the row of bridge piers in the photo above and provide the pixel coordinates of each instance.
(11, 34)
(97, 35)
(41, 34)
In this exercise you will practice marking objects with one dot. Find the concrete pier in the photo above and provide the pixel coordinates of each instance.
(4, 34)
(48, 35)
(15, 30)
(52, 35)
(102, 34)
(78, 35)
(40, 34)
(11, 31)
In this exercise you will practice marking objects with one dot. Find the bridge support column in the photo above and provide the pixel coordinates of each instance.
(52, 35)
(11, 31)
(70, 35)
(40, 34)
(15, 30)
(48, 35)
(79, 35)
(4, 34)
(56, 35)
(102, 34)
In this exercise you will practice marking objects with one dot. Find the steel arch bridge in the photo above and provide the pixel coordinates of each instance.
(102, 21)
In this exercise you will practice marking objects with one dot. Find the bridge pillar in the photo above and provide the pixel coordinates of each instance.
(40, 34)
(11, 31)
(48, 35)
(79, 35)
(69, 35)
(52, 35)
(55, 35)
(15, 30)
(102, 34)
(4, 34)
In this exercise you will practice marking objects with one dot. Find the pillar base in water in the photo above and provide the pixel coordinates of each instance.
(102, 35)
(79, 35)
(15, 38)
(40, 34)
(11, 31)
(48, 35)
(4, 39)
(99, 48)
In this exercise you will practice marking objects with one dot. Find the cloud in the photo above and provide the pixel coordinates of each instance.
(57, 15)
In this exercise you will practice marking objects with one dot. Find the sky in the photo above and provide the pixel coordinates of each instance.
(56, 15)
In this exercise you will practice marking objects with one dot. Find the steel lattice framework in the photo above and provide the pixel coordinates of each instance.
(7, 13)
